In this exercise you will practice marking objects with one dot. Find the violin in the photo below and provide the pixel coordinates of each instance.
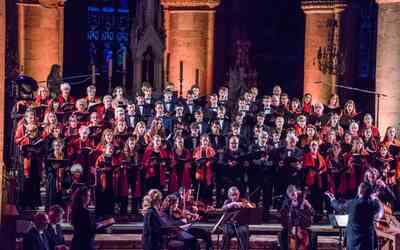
(247, 204)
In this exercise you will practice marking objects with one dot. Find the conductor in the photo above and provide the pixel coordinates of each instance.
(362, 211)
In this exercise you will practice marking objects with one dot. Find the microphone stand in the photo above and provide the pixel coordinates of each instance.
(88, 76)
(365, 91)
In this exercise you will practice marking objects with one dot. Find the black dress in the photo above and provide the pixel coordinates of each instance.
(55, 236)
(84, 232)
(152, 237)
(34, 240)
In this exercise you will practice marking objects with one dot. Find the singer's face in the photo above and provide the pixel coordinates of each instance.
(179, 141)
(91, 92)
(157, 141)
(383, 151)
(204, 141)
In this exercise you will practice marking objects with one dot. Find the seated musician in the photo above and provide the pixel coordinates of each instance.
(296, 217)
(54, 232)
(232, 228)
(173, 218)
(152, 234)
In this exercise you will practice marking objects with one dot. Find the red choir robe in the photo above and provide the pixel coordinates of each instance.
(184, 161)
(317, 170)
(77, 155)
(148, 166)
(204, 174)
(354, 174)
(115, 170)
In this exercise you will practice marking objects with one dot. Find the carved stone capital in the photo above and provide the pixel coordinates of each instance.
(321, 6)
(190, 4)
(387, 1)
(51, 3)
(44, 3)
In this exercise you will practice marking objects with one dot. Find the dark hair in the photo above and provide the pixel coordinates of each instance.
(365, 190)
(77, 203)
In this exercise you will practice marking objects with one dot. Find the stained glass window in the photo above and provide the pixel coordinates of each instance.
(108, 37)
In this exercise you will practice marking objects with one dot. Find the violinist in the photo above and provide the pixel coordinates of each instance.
(174, 218)
(191, 211)
(232, 228)
(296, 216)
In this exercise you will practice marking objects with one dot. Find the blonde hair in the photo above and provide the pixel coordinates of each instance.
(153, 197)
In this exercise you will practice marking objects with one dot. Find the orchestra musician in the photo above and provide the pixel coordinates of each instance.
(296, 216)
(152, 233)
(232, 228)
(174, 218)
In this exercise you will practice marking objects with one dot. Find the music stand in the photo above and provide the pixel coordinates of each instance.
(242, 216)
(340, 222)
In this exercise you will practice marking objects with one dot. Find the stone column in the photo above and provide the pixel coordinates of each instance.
(41, 36)
(322, 29)
(2, 94)
(387, 63)
(189, 26)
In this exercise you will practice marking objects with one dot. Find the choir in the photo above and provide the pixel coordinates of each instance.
(122, 146)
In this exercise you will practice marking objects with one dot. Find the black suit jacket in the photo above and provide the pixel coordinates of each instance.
(360, 231)
(55, 237)
(34, 241)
